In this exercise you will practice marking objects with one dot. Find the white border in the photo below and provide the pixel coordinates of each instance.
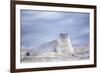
(51, 64)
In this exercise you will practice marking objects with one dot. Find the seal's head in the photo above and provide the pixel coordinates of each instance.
(63, 36)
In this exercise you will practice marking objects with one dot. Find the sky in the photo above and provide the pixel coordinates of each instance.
(41, 26)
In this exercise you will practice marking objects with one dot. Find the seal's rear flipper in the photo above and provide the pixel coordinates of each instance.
(27, 54)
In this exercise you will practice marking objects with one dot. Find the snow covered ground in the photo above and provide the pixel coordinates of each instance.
(79, 54)
(60, 49)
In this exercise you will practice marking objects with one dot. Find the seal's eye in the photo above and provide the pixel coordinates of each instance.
(61, 34)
